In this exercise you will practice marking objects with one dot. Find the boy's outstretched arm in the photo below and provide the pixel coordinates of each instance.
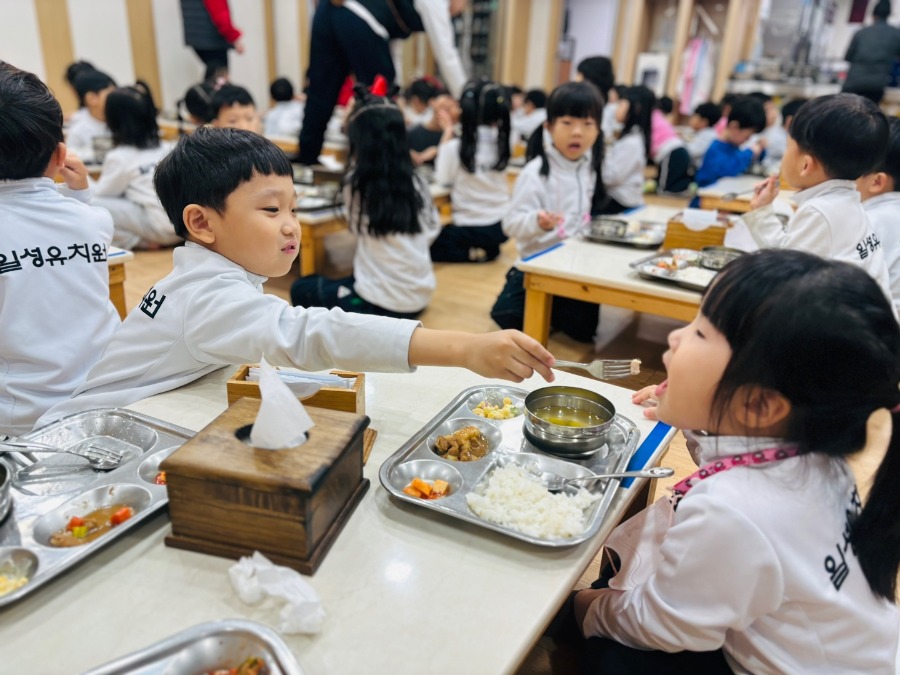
(506, 354)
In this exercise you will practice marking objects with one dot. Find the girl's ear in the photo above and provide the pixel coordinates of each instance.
(196, 220)
(761, 409)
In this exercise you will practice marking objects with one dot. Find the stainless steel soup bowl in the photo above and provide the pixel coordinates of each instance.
(566, 440)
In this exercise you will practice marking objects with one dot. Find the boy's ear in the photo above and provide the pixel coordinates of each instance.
(57, 161)
(196, 221)
(810, 164)
(760, 408)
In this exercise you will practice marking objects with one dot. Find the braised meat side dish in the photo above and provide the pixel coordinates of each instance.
(465, 445)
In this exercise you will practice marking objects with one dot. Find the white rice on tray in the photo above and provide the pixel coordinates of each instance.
(515, 498)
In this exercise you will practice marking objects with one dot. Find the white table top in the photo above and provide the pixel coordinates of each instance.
(402, 586)
(118, 256)
(739, 184)
(651, 213)
(607, 264)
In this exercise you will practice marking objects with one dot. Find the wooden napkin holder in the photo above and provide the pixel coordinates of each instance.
(230, 499)
(335, 398)
(679, 235)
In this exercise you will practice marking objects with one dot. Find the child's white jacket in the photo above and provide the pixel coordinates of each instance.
(55, 311)
(210, 312)
(884, 215)
(830, 222)
(623, 168)
(568, 190)
(756, 562)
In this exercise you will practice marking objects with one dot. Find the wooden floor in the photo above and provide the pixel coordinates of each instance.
(463, 299)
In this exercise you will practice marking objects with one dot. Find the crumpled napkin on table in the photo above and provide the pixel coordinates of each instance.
(256, 577)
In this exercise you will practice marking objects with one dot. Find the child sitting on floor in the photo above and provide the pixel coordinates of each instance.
(390, 210)
(766, 560)
(703, 123)
(54, 281)
(230, 193)
(880, 192)
(286, 117)
(833, 141)
(552, 201)
(626, 157)
(725, 156)
(125, 188)
(473, 166)
(87, 132)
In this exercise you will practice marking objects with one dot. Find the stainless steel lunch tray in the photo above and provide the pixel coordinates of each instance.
(647, 268)
(41, 508)
(416, 458)
(206, 647)
(650, 235)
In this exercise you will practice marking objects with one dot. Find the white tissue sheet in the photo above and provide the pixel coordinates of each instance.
(282, 421)
(256, 578)
(699, 219)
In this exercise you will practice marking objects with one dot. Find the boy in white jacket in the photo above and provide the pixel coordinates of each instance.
(833, 141)
(54, 282)
(237, 214)
(552, 201)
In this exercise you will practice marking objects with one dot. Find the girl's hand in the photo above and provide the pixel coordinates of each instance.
(646, 397)
(765, 193)
(74, 173)
(509, 355)
(548, 221)
(444, 118)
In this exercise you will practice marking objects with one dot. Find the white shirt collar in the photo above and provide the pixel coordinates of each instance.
(828, 186)
(193, 249)
(712, 447)
(886, 198)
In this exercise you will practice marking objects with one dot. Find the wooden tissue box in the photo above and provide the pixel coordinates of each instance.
(678, 235)
(230, 499)
(335, 398)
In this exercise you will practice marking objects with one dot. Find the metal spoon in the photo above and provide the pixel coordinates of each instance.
(99, 458)
(557, 483)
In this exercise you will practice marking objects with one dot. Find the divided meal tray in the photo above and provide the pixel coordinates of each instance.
(617, 230)
(508, 445)
(679, 266)
(205, 648)
(44, 505)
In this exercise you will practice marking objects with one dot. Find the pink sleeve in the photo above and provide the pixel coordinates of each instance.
(221, 18)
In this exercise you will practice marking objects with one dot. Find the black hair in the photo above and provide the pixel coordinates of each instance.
(581, 100)
(31, 124)
(882, 9)
(641, 101)
(537, 98)
(846, 133)
(281, 90)
(73, 71)
(380, 172)
(484, 103)
(131, 117)
(891, 163)
(208, 165)
(665, 104)
(424, 89)
(822, 334)
(226, 96)
(760, 96)
(789, 109)
(90, 82)
(598, 70)
(728, 100)
(710, 112)
(197, 101)
(514, 89)
(749, 113)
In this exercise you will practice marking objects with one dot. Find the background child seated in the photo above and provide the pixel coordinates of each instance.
(725, 157)
(703, 123)
(668, 152)
(530, 117)
(626, 158)
(833, 141)
(776, 135)
(230, 193)
(390, 208)
(93, 87)
(473, 166)
(72, 71)
(417, 100)
(196, 104)
(286, 117)
(880, 192)
(125, 188)
(232, 107)
(54, 282)
(424, 139)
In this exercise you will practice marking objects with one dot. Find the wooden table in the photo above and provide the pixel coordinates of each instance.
(600, 273)
(712, 196)
(405, 589)
(316, 225)
(116, 259)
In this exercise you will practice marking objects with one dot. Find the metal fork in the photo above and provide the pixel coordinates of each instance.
(604, 369)
(99, 458)
(729, 196)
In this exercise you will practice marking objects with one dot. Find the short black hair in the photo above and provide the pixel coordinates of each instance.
(281, 90)
(537, 97)
(749, 113)
(423, 89)
(198, 100)
(665, 104)
(226, 96)
(760, 96)
(846, 133)
(31, 124)
(211, 163)
(131, 117)
(790, 108)
(73, 71)
(882, 9)
(891, 164)
(598, 70)
(710, 112)
(728, 99)
(90, 82)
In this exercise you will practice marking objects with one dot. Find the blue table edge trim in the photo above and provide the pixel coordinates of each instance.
(540, 253)
(646, 449)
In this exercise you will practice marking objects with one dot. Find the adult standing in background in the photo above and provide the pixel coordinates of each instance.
(352, 36)
(209, 31)
(871, 55)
